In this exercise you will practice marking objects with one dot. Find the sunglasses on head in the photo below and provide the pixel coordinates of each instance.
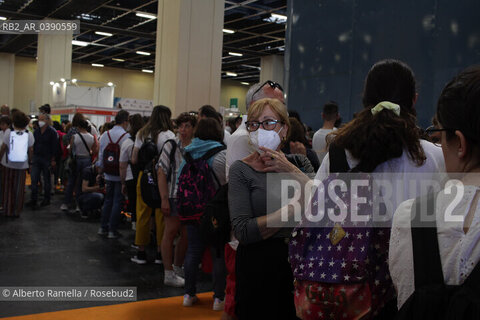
(274, 85)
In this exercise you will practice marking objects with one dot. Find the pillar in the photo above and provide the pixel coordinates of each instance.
(272, 69)
(188, 54)
(7, 65)
(54, 62)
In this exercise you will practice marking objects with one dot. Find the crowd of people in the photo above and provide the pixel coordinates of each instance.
(197, 177)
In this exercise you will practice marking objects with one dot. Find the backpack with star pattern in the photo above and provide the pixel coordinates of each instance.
(340, 269)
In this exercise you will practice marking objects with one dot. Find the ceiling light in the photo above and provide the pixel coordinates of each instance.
(110, 84)
(245, 83)
(52, 83)
(62, 79)
(279, 16)
(147, 71)
(232, 74)
(97, 65)
(80, 43)
(106, 34)
(236, 54)
(228, 31)
(74, 80)
(143, 53)
(3, 18)
(117, 59)
(146, 15)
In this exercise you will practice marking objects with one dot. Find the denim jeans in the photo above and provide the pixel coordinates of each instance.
(193, 257)
(112, 205)
(75, 180)
(41, 166)
(90, 201)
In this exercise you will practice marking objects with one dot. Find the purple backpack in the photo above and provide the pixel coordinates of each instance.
(197, 185)
(341, 262)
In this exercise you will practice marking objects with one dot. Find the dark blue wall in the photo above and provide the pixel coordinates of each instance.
(331, 45)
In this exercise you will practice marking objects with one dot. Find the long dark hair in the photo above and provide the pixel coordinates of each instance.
(159, 121)
(136, 123)
(374, 139)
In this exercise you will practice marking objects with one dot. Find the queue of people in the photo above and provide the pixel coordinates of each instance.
(171, 172)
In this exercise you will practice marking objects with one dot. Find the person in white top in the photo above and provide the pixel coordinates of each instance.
(5, 124)
(458, 113)
(159, 128)
(329, 116)
(15, 171)
(128, 177)
(383, 139)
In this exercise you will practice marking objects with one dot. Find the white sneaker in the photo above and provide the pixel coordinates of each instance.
(134, 226)
(179, 271)
(172, 280)
(64, 207)
(102, 232)
(218, 305)
(188, 300)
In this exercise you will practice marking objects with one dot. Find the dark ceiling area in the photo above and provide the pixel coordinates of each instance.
(256, 32)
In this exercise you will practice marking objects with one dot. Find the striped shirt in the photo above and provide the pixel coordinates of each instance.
(164, 163)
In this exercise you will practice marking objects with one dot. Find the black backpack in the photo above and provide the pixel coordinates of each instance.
(215, 226)
(147, 153)
(149, 181)
(433, 299)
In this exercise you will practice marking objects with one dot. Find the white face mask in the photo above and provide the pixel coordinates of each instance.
(265, 138)
(41, 123)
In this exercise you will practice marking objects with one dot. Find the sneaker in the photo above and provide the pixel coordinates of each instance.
(102, 231)
(134, 226)
(113, 234)
(179, 271)
(158, 259)
(218, 305)
(64, 207)
(134, 246)
(139, 258)
(172, 280)
(188, 300)
(84, 215)
(77, 209)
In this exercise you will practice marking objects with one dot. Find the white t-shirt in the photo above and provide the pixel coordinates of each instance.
(319, 143)
(226, 136)
(238, 146)
(459, 252)
(16, 165)
(78, 145)
(126, 156)
(161, 138)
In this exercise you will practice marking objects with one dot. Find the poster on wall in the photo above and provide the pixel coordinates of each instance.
(133, 104)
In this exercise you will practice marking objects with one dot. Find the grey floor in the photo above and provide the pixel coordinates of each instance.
(47, 247)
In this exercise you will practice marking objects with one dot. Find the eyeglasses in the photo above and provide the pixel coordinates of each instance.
(435, 139)
(272, 84)
(268, 125)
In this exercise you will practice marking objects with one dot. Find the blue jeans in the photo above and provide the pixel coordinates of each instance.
(41, 166)
(75, 180)
(112, 205)
(193, 257)
(90, 201)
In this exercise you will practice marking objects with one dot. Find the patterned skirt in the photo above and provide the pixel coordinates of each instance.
(13, 195)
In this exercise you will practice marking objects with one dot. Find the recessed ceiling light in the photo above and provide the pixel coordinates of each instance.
(80, 43)
(228, 31)
(232, 74)
(147, 71)
(97, 65)
(146, 15)
(245, 83)
(278, 16)
(143, 53)
(62, 79)
(117, 59)
(110, 84)
(236, 54)
(106, 34)
(52, 83)
(3, 18)
(74, 80)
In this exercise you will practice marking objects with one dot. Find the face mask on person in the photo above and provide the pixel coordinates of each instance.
(41, 123)
(265, 138)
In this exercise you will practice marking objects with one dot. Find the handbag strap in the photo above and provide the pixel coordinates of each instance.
(427, 264)
(85, 143)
